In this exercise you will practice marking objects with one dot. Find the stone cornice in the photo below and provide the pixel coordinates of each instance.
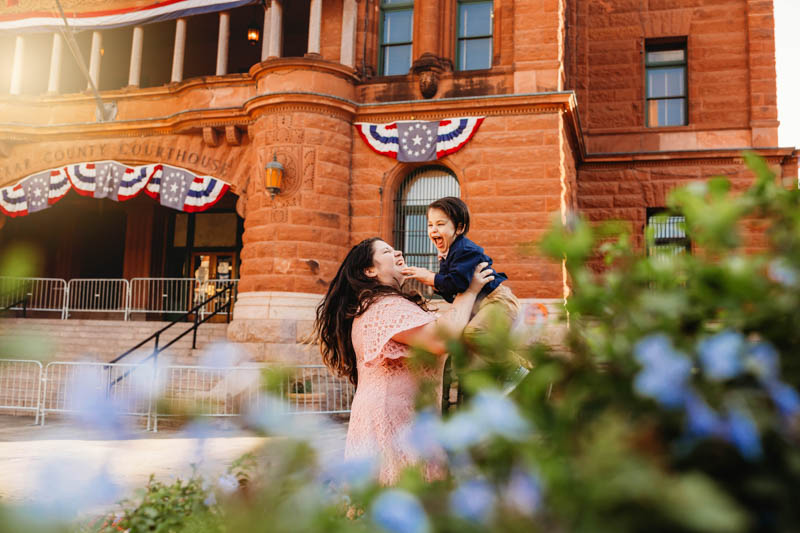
(727, 156)
(188, 121)
(194, 120)
(513, 104)
(259, 70)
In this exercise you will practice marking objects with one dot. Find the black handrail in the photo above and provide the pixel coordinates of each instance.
(227, 289)
(23, 300)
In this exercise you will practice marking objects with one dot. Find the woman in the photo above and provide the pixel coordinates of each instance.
(366, 327)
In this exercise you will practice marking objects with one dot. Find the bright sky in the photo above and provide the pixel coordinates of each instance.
(787, 56)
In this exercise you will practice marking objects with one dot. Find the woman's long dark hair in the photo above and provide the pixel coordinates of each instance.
(349, 295)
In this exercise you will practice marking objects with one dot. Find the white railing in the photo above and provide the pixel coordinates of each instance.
(174, 295)
(20, 385)
(98, 295)
(139, 295)
(44, 294)
(97, 389)
(102, 391)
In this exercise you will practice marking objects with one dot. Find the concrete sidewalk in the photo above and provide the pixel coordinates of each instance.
(34, 458)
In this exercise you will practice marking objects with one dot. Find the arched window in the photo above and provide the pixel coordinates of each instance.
(419, 189)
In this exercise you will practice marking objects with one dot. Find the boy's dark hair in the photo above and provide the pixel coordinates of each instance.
(455, 209)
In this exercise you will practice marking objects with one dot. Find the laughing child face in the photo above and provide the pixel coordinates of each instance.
(441, 230)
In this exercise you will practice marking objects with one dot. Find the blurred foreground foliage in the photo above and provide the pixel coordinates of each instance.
(671, 407)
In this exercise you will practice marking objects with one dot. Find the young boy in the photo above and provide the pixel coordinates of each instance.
(448, 224)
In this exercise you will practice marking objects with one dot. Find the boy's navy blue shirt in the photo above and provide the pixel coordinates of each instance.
(456, 270)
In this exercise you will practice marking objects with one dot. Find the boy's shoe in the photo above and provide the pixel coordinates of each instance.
(514, 379)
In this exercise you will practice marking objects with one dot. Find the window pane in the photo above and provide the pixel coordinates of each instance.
(397, 26)
(667, 112)
(663, 56)
(397, 59)
(475, 19)
(674, 113)
(668, 227)
(417, 241)
(665, 82)
(475, 54)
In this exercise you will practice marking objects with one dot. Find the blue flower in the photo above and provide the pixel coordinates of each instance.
(721, 355)
(785, 397)
(665, 371)
(764, 360)
(702, 420)
(211, 500)
(228, 483)
(743, 433)
(499, 415)
(651, 350)
(781, 271)
(461, 431)
(398, 511)
(473, 501)
(523, 493)
(421, 435)
(351, 473)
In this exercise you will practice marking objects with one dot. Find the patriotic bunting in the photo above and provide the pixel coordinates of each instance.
(412, 141)
(42, 17)
(183, 190)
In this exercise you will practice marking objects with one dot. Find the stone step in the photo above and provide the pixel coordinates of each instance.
(101, 340)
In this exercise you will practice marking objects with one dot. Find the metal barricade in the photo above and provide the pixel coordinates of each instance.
(20, 385)
(97, 296)
(161, 295)
(44, 294)
(313, 389)
(213, 286)
(98, 389)
(208, 391)
(175, 295)
(233, 391)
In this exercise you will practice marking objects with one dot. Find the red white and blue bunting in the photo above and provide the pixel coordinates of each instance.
(412, 141)
(173, 187)
(124, 13)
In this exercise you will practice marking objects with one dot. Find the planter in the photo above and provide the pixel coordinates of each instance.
(307, 401)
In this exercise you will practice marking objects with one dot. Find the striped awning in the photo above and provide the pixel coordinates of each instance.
(30, 16)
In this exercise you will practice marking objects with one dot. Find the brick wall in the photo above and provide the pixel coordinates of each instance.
(731, 72)
(294, 242)
(511, 199)
(625, 191)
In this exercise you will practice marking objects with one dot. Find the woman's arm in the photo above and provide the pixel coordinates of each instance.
(451, 323)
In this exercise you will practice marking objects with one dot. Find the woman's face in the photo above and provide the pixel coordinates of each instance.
(387, 265)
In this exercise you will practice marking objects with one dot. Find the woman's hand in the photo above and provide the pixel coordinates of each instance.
(480, 278)
(421, 274)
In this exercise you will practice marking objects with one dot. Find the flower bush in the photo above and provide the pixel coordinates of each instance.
(673, 406)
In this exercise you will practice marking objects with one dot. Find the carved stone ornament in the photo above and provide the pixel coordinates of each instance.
(429, 67)
(428, 83)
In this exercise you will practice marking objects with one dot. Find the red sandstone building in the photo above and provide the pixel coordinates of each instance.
(596, 106)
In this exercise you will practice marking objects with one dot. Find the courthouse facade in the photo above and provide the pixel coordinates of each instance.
(529, 108)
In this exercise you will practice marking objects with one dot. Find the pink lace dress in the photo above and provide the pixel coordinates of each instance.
(383, 406)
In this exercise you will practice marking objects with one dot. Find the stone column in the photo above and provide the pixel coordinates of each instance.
(94, 58)
(16, 68)
(426, 28)
(178, 50)
(265, 33)
(135, 72)
(347, 54)
(222, 42)
(314, 27)
(275, 29)
(54, 80)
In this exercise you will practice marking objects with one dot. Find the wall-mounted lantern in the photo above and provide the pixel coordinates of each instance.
(273, 176)
(253, 33)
